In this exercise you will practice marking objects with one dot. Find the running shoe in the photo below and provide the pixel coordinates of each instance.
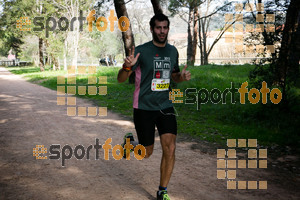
(162, 195)
(128, 135)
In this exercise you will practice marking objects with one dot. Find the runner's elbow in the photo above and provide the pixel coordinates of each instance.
(119, 80)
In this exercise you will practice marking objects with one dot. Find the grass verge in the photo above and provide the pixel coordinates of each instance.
(268, 123)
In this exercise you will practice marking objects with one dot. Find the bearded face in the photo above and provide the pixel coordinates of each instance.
(160, 32)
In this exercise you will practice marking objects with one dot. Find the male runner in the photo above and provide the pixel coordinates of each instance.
(154, 63)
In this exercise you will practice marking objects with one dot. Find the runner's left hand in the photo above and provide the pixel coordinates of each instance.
(186, 75)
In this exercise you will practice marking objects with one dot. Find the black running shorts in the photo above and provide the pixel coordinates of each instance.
(145, 122)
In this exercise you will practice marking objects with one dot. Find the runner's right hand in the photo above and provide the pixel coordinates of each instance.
(131, 60)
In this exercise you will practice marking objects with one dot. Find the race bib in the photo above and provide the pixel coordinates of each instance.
(160, 84)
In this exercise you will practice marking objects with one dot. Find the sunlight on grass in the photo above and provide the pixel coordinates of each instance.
(212, 122)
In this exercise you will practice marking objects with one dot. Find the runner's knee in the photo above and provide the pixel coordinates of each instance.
(169, 149)
(149, 151)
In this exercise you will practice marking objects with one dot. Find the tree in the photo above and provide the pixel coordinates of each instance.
(283, 70)
(177, 7)
(127, 36)
(11, 12)
(39, 10)
(287, 66)
(192, 34)
(65, 43)
(198, 25)
(156, 6)
(204, 25)
(276, 8)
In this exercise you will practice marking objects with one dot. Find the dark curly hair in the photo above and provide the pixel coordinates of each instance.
(159, 17)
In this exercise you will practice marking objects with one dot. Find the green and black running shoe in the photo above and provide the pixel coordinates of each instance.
(162, 195)
(128, 135)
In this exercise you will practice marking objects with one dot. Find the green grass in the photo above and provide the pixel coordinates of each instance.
(270, 124)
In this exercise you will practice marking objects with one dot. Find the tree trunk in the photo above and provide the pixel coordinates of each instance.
(51, 57)
(205, 56)
(189, 51)
(56, 65)
(39, 10)
(65, 54)
(195, 33)
(126, 36)
(200, 40)
(41, 55)
(156, 6)
(75, 13)
(288, 62)
(295, 48)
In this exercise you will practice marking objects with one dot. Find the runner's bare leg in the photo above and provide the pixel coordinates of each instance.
(168, 143)
(149, 150)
